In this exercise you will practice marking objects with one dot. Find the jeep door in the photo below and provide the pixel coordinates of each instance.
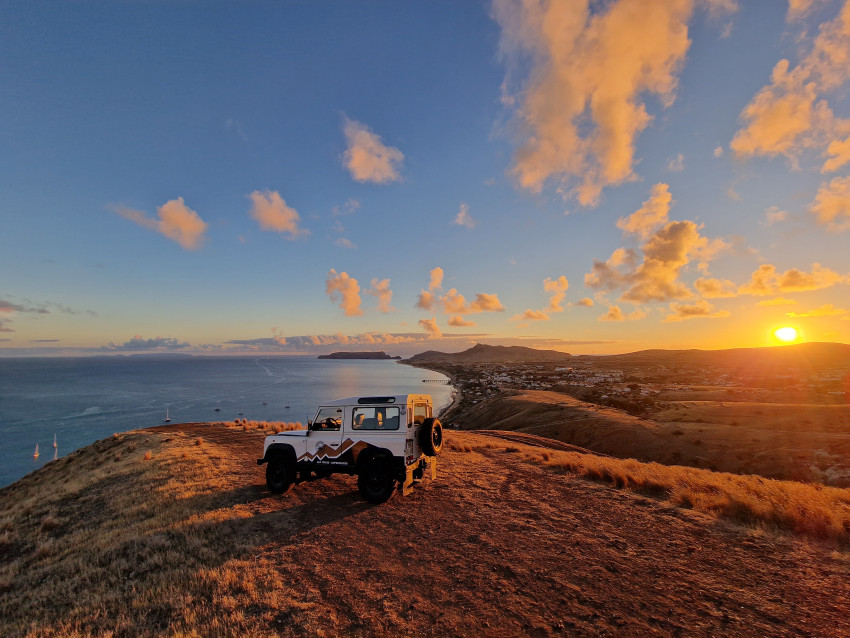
(325, 434)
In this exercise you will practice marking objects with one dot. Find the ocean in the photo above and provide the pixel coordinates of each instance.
(81, 400)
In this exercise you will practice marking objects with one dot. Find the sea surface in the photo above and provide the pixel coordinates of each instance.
(82, 400)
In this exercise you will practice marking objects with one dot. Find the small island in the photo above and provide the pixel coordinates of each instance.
(357, 355)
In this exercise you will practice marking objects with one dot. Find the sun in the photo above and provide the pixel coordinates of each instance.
(786, 334)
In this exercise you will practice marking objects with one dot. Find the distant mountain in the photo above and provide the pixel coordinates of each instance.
(481, 353)
(357, 355)
(815, 355)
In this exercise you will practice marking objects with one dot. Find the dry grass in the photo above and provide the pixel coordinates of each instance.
(808, 509)
(112, 540)
(268, 427)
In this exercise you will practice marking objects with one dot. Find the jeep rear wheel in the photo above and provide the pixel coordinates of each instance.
(376, 482)
(280, 474)
(431, 437)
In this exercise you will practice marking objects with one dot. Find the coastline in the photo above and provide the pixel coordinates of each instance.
(457, 394)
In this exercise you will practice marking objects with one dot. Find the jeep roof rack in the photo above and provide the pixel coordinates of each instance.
(363, 400)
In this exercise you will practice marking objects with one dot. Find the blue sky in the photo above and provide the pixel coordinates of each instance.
(178, 176)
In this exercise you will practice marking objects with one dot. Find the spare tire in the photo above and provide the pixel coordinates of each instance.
(431, 437)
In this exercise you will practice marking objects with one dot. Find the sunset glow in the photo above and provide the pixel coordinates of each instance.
(787, 334)
(592, 177)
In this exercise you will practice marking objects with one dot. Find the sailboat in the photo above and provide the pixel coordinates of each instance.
(35, 456)
(167, 419)
(54, 441)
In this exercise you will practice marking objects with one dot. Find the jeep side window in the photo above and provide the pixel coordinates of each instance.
(375, 418)
(328, 419)
(420, 413)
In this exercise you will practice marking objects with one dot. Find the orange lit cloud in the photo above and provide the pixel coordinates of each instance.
(272, 213)
(430, 326)
(367, 158)
(840, 152)
(774, 215)
(175, 220)
(665, 254)
(582, 109)
(463, 217)
(455, 303)
(427, 299)
(766, 281)
(713, 288)
(345, 291)
(557, 290)
(797, 9)
(436, 280)
(381, 291)
(832, 204)
(700, 309)
(586, 301)
(615, 313)
(651, 215)
(790, 114)
(459, 322)
(827, 310)
(531, 315)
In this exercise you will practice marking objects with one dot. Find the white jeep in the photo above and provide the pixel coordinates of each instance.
(386, 441)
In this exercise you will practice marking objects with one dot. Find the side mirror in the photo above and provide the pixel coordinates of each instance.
(309, 424)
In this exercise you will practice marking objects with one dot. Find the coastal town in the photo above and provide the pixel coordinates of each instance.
(643, 390)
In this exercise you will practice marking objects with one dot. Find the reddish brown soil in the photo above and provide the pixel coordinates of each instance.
(500, 547)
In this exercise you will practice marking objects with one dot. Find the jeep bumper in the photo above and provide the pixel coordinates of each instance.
(416, 472)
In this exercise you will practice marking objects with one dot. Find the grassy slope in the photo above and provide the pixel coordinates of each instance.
(752, 439)
(165, 532)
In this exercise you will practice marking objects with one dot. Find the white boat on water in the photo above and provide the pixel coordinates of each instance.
(167, 418)
(35, 455)
(54, 441)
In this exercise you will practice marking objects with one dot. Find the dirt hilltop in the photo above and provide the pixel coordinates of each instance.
(172, 531)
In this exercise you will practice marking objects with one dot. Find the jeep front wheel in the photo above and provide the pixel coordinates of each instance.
(431, 437)
(279, 474)
(376, 482)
